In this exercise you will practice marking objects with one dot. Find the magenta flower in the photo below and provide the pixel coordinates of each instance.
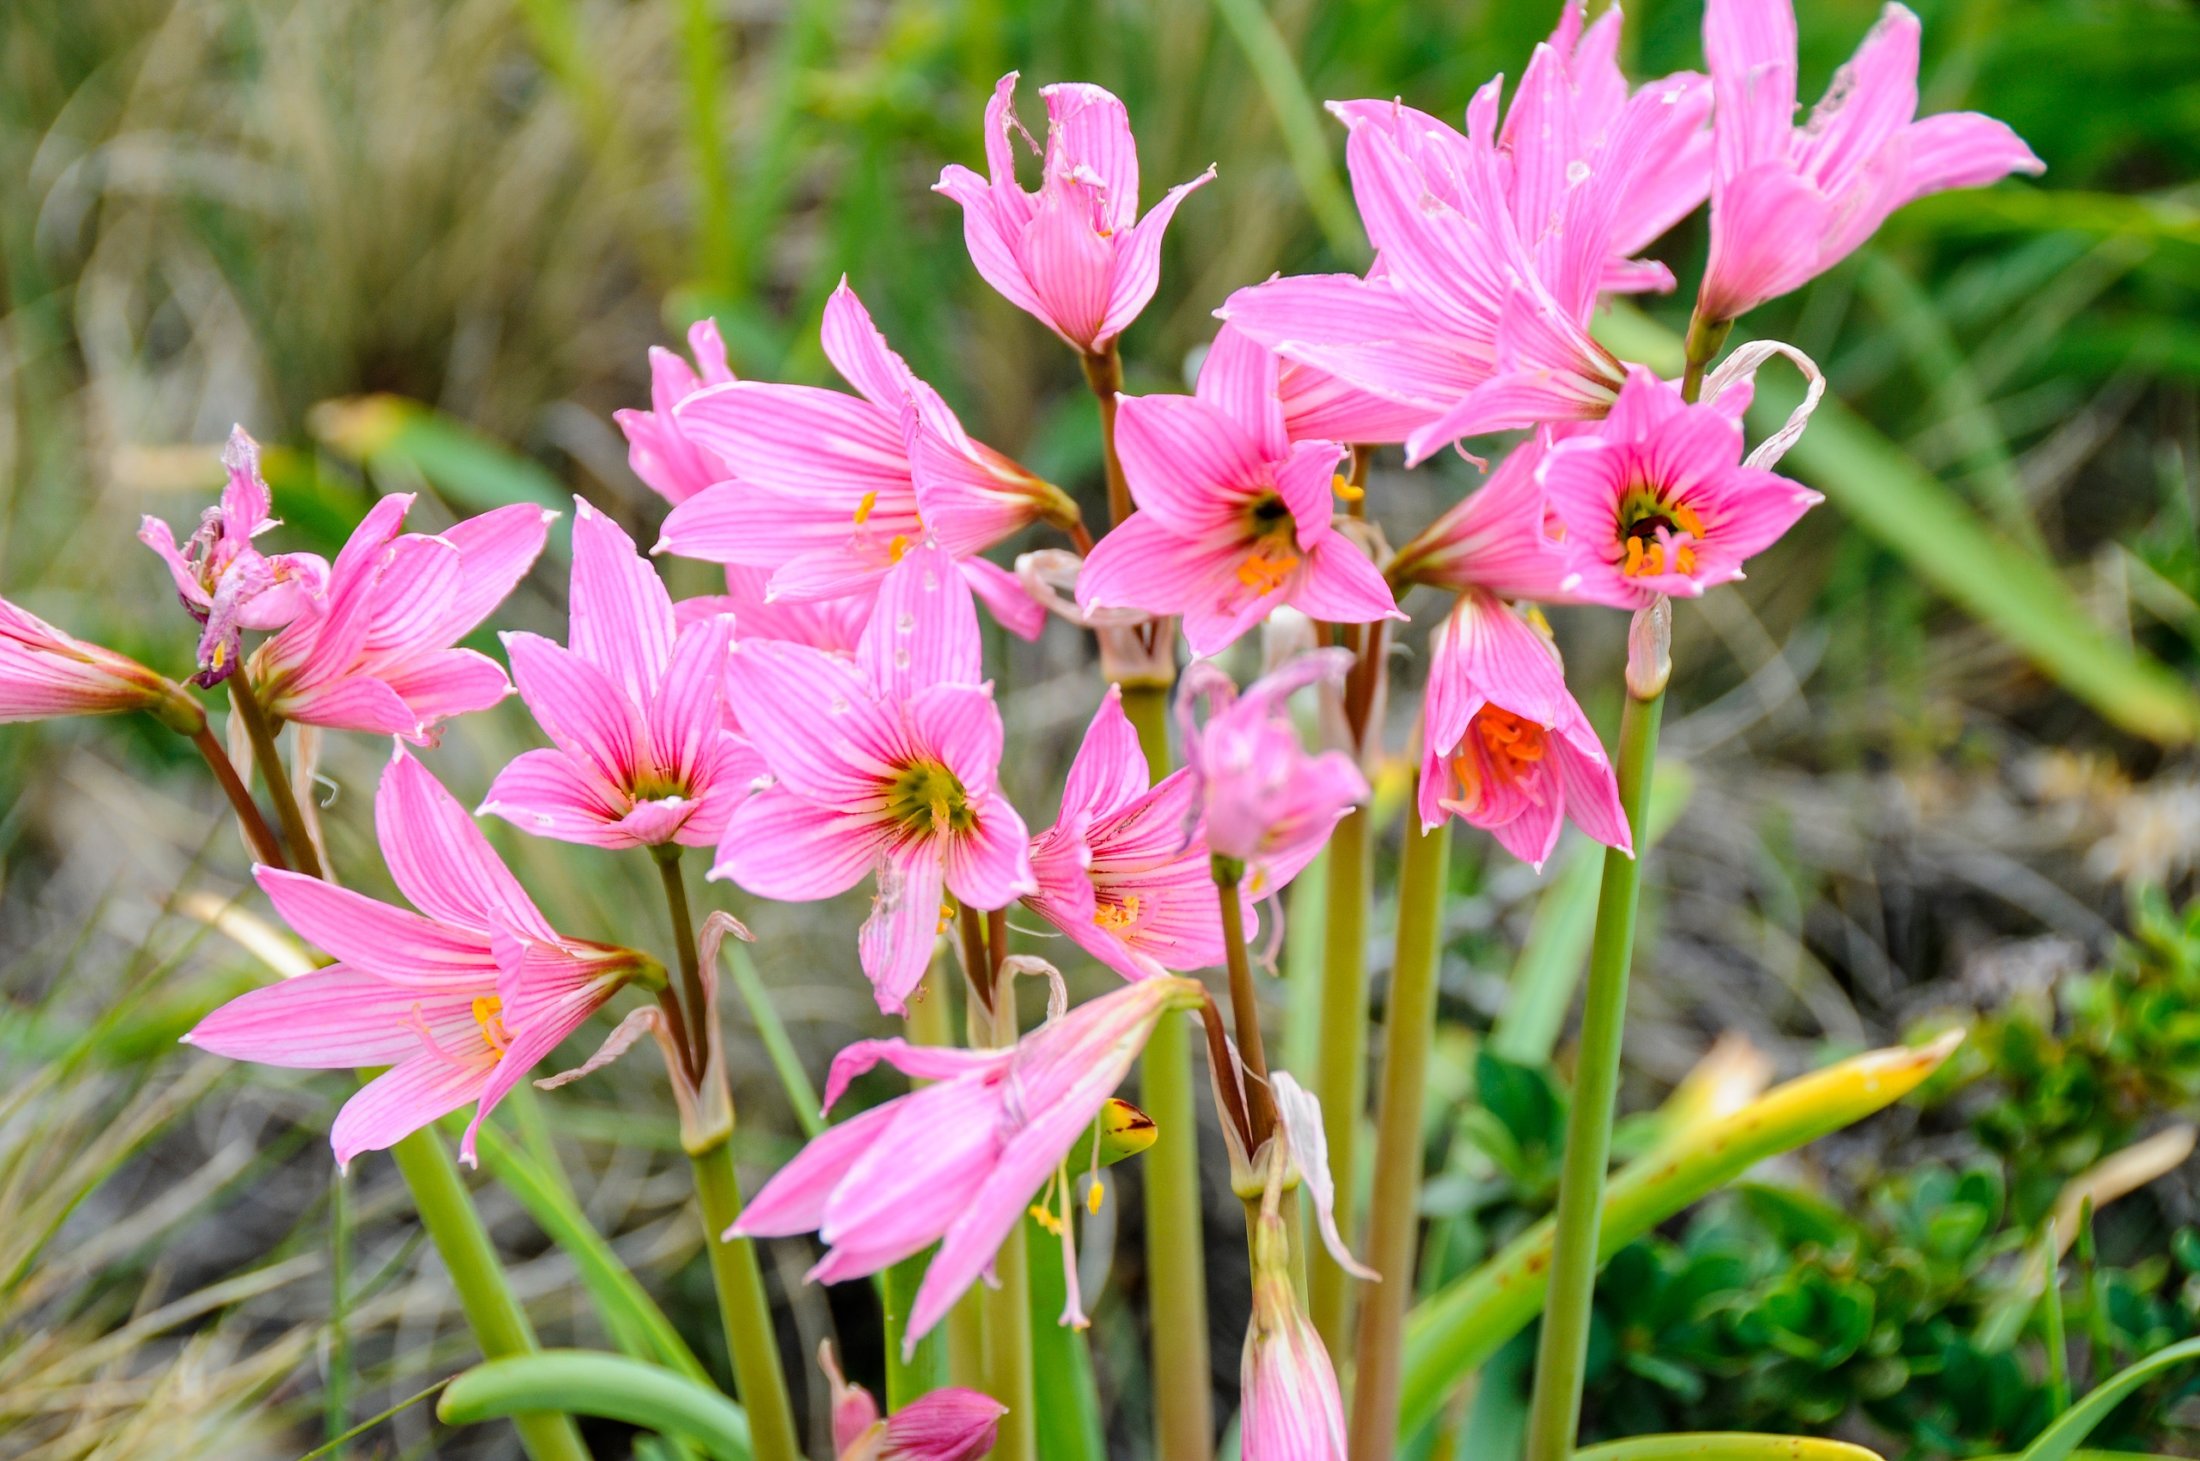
(227, 584)
(658, 447)
(957, 1161)
(1075, 255)
(1267, 802)
(952, 1424)
(1656, 499)
(1502, 537)
(884, 765)
(1234, 520)
(1504, 745)
(1124, 871)
(1789, 202)
(636, 708)
(45, 673)
(460, 1000)
(1492, 248)
(374, 651)
(831, 490)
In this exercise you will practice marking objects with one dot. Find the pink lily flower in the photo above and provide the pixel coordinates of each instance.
(636, 707)
(832, 490)
(885, 765)
(460, 1000)
(227, 584)
(45, 673)
(1125, 870)
(673, 464)
(952, 1424)
(1234, 520)
(1493, 248)
(1505, 746)
(1075, 255)
(1657, 500)
(958, 1161)
(829, 624)
(1290, 1408)
(1267, 802)
(1788, 202)
(1502, 537)
(374, 651)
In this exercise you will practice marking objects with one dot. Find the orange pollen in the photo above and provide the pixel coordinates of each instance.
(1116, 917)
(488, 1016)
(1346, 488)
(1514, 745)
(1267, 567)
(863, 508)
(897, 546)
(947, 916)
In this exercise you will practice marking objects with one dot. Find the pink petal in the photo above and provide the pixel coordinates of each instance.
(793, 1201)
(1592, 792)
(1005, 597)
(405, 1098)
(1068, 264)
(859, 352)
(923, 628)
(1751, 47)
(1188, 463)
(919, 1062)
(620, 612)
(960, 727)
(357, 704)
(895, 944)
(687, 713)
(374, 937)
(1961, 150)
(335, 1018)
(495, 551)
(544, 792)
(776, 845)
(1138, 260)
(1109, 771)
(584, 710)
(990, 238)
(445, 683)
(1869, 101)
(1342, 587)
(814, 719)
(989, 866)
(813, 443)
(440, 860)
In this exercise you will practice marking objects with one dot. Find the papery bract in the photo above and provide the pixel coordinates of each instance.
(1504, 745)
(1075, 255)
(635, 705)
(957, 1161)
(375, 650)
(1234, 519)
(1789, 202)
(460, 1000)
(1655, 498)
(1267, 802)
(227, 584)
(46, 673)
(884, 765)
(831, 490)
(673, 464)
(1125, 871)
(950, 1424)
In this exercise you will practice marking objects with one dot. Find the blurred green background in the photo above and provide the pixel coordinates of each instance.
(1940, 743)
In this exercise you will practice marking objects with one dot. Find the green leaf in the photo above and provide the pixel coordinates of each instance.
(471, 470)
(1725, 1446)
(1065, 1393)
(614, 1387)
(2060, 1441)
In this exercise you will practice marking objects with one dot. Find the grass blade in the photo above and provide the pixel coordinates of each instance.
(613, 1387)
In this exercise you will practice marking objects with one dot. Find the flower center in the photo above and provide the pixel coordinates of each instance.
(1116, 917)
(926, 798)
(1658, 534)
(489, 1018)
(1500, 746)
(1267, 567)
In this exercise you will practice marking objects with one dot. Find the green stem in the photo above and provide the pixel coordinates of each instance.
(1340, 1072)
(1104, 373)
(296, 834)
(1705, 339)
(1176, 1259)
(256, 830)
(744, 1308)
(697, 1041)
(1393, 1219)
(1007, 1307)
(500, 1326)
(1555, 1407)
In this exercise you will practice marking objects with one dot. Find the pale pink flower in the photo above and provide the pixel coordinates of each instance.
(951, 1424)
(1125, 870)
(374, 651)
(659, 449)
(1502, 537)
(1267, 802)
(460, 1000)
(1504, 745)
(1234, 520)
(1789, 202)
(1289, 1406)
(227, 584)
(1075, 255)
(958, 1161)
(636, 708)
(832, 624)
(1656, 499)
(45, 673)
(884, 765)
(1492, 248)
(831, 490)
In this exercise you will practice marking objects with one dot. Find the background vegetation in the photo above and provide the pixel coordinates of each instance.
(1935, 773)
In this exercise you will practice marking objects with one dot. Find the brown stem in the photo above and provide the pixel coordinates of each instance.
(1361, 684)
(257, 725)
(1356, 505)
(1104, 373)
(692, 1038)
(996, 942)
(1244, 1006)
(1226, 1081)
(977, 969)
(256, 830)
(1080, 538)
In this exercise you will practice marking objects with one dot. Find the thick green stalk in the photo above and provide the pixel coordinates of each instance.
(745, 1309)
(1007, 1307)
(1176, 1260)
(296, 833)
(1554, 1408)
(1340, 1073)
(500, 1326)
(1393, 1218)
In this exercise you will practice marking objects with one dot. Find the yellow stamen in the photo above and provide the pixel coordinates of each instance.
(487, 1017)
(1267, 567)
(1095, 1197)
(947, 916)
(1346, 488)
(1046, 1219)
(863, 508)
(1116, 916)
(896, 546)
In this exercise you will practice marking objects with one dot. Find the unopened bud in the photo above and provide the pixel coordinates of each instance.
(1650, 650)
